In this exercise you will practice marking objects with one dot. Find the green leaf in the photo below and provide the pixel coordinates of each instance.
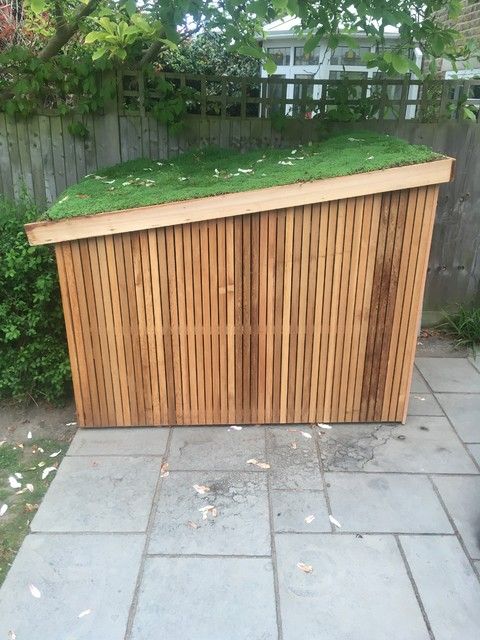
(38, 6)
(99, 53)
(269, 66)
(400, 63)
(468, 114)
(312, 42)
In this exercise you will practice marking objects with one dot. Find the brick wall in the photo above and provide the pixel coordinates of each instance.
(468, 22)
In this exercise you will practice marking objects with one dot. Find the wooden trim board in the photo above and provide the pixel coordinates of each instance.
(246, 202)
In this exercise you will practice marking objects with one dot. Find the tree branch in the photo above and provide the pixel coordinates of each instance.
(66, 30)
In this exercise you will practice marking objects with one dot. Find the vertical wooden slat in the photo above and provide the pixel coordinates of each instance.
(239, 324)
(222, 320)
(278, 317)
(113, 363)
(77, 278)
(206, 322)
(158, 329)
(77, 354)
(270, 315)
(214, 318)
(254, 314)
(287, 292)
(262, 315)
(196, 281)
(181, 337)
(230, 281)
(294, 309)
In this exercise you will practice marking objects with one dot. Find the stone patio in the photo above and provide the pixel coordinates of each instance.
(119, 552)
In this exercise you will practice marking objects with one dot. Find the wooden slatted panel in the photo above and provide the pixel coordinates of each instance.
(298, 315)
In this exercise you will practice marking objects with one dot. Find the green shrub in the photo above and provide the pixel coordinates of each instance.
(464, 326)
(33, 354)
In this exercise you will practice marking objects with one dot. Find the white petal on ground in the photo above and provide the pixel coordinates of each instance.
(14, 483)
(55, 454)
(310, 519)
(201, 489)
(419, 398)
(322, 425)
(164, 472)
(84, 613)
(70, 424)
(334, 521)
(3, 509)
(36, 593)
(192, 525)
(263, 465)
(286, 162)
(235, 427)
(245, 170)
(306, 568)
(252, 461)
(18, 475)
(305, 434)
(29, 435)
(29, 486)
(47, 471)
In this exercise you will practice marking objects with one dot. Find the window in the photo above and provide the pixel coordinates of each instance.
(348, 57)
(355, 91)
(280, 55)
(276, 91)
(306, 58)
(303, 91)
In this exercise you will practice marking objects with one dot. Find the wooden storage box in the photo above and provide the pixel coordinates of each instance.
(291, 304)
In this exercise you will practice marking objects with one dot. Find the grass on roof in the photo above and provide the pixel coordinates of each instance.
(211, 171)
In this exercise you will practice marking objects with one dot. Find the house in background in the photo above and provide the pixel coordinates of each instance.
(286, 48)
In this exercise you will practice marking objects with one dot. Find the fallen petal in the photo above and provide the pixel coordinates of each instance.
(3, 509)
(164, 472)
(18, 475)
(309, 519)
(36, 593)
(201, 489)
(334, 521)
(263, 465)
(29, 435)
(84, 613)
(234, 427)
(29, 486)
(306, 568)
(14, 483)
(305, 434)
(252, 461)
(55, 454)
(322, 425)
(192, 525)
(47, 471)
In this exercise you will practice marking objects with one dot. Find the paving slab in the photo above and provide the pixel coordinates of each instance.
(74, 573)
(242, 523)
(475, 451)
(219, 448)
(475, 361)
(422, 445)
(461, 495)
(119, 442)
(293, 458)
(423, 404)
(206, 599)
(112, 494)
(359, 589)
(449, 374)
(463, 410)
(447, 584)
(290, 508)
(386, 503)
(418, 383)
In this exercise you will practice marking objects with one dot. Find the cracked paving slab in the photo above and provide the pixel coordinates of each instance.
(293, 458)
(422, 445)
(240, 527)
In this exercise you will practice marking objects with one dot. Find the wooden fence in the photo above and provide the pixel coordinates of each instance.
(42, 156)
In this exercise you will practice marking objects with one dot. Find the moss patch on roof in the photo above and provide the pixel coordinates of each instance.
(212, 171)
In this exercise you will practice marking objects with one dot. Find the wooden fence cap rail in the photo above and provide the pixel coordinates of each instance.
(234, 204)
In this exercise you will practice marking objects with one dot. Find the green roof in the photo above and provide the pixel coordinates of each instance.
(205, 172)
